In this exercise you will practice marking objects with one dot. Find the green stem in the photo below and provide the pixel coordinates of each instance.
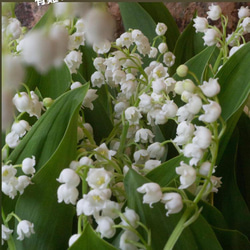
(10, 241)
(177, 231)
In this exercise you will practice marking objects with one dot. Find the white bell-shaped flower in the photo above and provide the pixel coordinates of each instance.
(28, 165)
(98, 178)
(144, 135)
(131, 217)
(105, 227)
(243, 12)
(104, 152)
(6, 232)
(73, 60)
(93, 202)
(25, 229)
(188, 175)
(67, 194)
(152, 192)
(210, 88)
(12, 139)
(151, 164)
(8, 172)
(111, 209)
(89, 98)
(203, 137)
(125, 238)
(156, 150)
(161, 29)
(214, 12)
(22, 182)
(212, 112)
(194, 152)
(133, 115)
(211, 37)
(20, 127)
(69, 177)
(173, 202)
(200, 24)
(184, 132)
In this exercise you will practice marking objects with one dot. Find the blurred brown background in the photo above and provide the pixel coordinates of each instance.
(30, 13)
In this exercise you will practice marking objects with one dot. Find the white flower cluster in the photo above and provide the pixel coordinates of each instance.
(11, 184)
(212, 35)
(97, 201)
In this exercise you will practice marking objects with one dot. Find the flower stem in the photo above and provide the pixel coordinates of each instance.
(177, 231)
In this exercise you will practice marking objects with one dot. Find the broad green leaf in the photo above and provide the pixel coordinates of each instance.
(135, 17)
(165, 173)
(52, 84)
(197, 236)
(198, 64)
(232, 239)
(47, 133)
(234, 78)
(159, 12)
(77, 77)
(52, 220)
(99, 120)
(89, 240)
(87, 68)
(229, 199)
(187, 46)
(243, 159)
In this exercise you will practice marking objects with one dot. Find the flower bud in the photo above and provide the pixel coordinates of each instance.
(162, 48)
(182, 70)
(189, 85)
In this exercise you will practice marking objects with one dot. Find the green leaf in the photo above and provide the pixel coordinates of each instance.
(198, 64)
(135, 17)
(165, 173)
(52, 84)
(159, 12)
(87, 68)
(234, 78)
(89, 240)
(229, 199)
(232, 239)
(243, 159)
(187, 46)
(45, 136)
(198, 236)
(52, 221)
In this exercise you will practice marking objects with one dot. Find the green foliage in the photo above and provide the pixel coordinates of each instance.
(52, 84)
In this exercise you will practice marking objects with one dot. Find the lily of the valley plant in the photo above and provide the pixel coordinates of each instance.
(130, 142)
